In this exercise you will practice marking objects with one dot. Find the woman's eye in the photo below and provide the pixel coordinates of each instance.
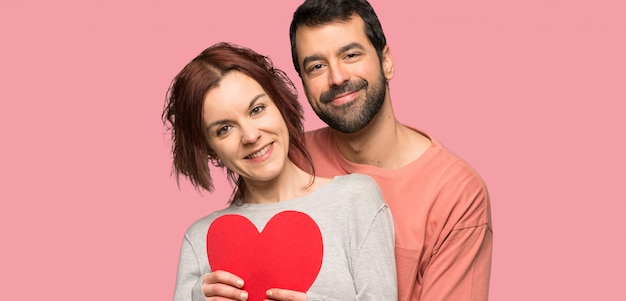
(223, 130)
(256, 110)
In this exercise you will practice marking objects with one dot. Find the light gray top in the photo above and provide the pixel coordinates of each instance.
(357, 234)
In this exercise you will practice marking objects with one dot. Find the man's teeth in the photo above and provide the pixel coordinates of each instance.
(260, 153)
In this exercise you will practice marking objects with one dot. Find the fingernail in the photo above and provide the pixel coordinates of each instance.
(240, 283)
(244, 296)
(269, 293)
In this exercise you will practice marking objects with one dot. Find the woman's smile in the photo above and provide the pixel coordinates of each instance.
(261, 152)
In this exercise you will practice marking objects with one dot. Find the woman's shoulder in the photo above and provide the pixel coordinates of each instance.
(200, 226)
(357, 180)
(359, 190)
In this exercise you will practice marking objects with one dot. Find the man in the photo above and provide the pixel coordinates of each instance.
(439, 204)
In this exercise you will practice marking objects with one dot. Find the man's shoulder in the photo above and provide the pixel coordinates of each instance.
(455, 161)
(454, 184)
(316, 134)
(441, 163)
(318, 140)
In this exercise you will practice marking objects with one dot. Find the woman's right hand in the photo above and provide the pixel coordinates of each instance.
(223, 286)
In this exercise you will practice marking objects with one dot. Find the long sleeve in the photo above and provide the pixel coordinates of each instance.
(374, 267)
(360, 261)
(357, 231)
(373, 261)
(189, 276)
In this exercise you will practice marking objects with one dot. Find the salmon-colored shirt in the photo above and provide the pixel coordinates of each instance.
(441, 211)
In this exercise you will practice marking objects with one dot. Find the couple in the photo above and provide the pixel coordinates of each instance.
(230, 107)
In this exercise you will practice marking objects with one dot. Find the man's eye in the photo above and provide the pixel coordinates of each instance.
(315, 67)
(352, 55)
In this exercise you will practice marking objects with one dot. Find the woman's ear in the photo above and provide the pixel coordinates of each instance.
(215, 160)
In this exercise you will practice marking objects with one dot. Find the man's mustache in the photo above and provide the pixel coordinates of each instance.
(347, 87)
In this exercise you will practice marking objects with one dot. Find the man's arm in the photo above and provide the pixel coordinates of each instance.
(461, 267)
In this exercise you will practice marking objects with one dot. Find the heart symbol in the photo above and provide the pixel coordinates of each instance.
(286, 254)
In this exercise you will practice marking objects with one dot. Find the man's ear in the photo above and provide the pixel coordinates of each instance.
(387, 63)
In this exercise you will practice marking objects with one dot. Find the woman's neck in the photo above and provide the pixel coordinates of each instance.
(292, 182)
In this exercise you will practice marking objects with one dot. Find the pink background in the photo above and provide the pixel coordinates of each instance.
(529, 92)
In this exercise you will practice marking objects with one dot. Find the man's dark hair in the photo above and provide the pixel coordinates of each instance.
(317, 12)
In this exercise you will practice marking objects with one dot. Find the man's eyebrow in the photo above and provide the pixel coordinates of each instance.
(311, 58)
(353, 45)
(315, 57)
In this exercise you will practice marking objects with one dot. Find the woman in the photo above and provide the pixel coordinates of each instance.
(231, 107)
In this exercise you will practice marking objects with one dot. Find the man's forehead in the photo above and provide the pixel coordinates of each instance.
(353, 18)
(340, 32)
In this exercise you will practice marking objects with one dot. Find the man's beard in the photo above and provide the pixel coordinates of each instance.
(353, 116)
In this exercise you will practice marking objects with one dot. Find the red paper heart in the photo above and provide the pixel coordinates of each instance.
(286, 254)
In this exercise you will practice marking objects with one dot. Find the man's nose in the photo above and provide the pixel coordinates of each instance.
(337, 75)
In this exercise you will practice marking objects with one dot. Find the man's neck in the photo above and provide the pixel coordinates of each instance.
(384, 142)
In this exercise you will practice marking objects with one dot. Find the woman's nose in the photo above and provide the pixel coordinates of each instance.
(250, 135)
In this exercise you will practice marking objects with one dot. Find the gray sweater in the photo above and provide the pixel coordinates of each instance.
(357, 234)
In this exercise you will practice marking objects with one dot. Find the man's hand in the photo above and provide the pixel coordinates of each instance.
(223, 286)
(276, 294)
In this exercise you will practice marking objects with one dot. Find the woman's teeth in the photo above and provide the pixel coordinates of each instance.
(260, 153)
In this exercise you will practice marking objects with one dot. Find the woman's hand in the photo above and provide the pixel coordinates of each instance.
(276, 294)
(223, 286)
